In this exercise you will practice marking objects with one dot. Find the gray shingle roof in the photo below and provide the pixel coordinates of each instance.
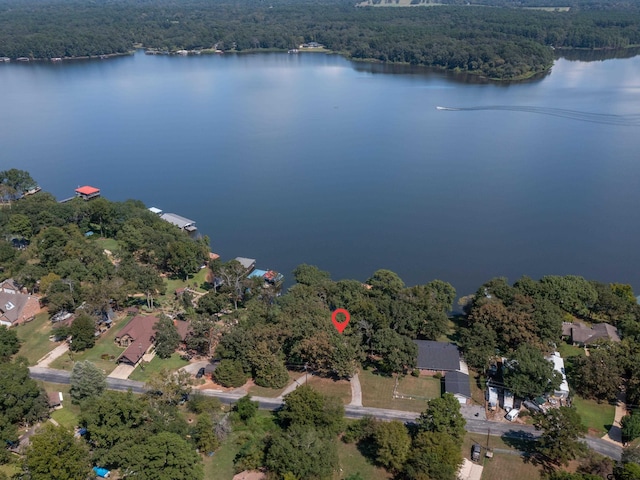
(437, 355)
(457, 383)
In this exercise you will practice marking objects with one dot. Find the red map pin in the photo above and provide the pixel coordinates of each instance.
(340, 326)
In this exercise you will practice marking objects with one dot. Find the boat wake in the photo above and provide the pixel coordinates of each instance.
(601, 118)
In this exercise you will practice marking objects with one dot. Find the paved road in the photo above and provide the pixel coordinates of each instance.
(474, 425)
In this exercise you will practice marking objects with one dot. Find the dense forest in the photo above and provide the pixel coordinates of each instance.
(498, 42)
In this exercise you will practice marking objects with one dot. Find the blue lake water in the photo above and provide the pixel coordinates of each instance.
(310, 158)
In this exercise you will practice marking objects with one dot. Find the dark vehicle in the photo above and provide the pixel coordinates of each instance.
(475, 452)
(200, 373)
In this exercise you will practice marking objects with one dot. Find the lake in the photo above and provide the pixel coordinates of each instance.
(310, 158)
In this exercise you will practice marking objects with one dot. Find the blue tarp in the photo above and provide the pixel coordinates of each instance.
(101, 472)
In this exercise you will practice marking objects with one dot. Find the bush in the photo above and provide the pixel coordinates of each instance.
(415, 372)
(230, 374)
(272, 375)
(245, 408)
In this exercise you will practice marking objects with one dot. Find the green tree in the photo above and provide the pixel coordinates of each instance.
(433, 456)
(167, 337)
(386, 282)
(310, 275)
(21, 225)
(245, 408)
(529, 374)
(23, 401)
(87, 381)
(302, 451)
(599, 375)
(308, 407)
(561, 432)
(479, 345)
(393, 444)
(230, 373)
(112, 419)
(630, 426)
(55, 455)
(82, 332)
(9, 343)
(169, 387)
(443, 415)
(204, 435)
(164, 456)
(183, 258)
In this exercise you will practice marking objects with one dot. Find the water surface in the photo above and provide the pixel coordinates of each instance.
(309, 158)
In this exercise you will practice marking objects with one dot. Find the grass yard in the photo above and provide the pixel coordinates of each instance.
(425, 387)
(567, 351)
(105, 345)
(35, 338)
(503, 466)
(142, 374)
(352, 462)
(10, 469)
(65, 417)
(110, 244)
(598, 418)
(257, 391)
(198, 279)
(377, 391)
(327, 386)
(477, 384)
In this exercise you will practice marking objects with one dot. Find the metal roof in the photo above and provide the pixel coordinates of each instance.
(177, 220)
(437, 355)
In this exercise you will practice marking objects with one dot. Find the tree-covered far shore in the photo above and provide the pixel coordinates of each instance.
(492, 40)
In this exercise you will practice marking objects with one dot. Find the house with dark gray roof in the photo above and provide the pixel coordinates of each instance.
(457, 384)
(437, 356)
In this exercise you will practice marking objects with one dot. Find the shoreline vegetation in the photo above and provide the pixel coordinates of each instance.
(497, 43)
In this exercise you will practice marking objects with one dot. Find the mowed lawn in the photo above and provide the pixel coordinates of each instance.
(257, 391)
(333, 388)
(421, 387)
(598, 418)
(567, 351)
(352, 462)
(503, 465)
(377, 392)
(34, 337)
(142, 373)
(105, 345)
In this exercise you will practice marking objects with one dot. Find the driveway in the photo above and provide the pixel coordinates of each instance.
(356, 391)
(470, 470)
(122, 371)
(57, 352)
(193, 368)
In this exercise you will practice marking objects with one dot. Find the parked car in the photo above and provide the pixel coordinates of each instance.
(512, 415)
(475, 452)
(200, 373)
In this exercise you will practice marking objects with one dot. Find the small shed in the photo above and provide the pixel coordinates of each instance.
(55, 400)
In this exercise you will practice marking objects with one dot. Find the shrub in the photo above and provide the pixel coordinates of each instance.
(230, 374)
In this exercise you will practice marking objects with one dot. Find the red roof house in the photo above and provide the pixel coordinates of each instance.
(138, 336)
(87, 192)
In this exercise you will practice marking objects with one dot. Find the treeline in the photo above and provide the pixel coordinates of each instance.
(500, 43)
